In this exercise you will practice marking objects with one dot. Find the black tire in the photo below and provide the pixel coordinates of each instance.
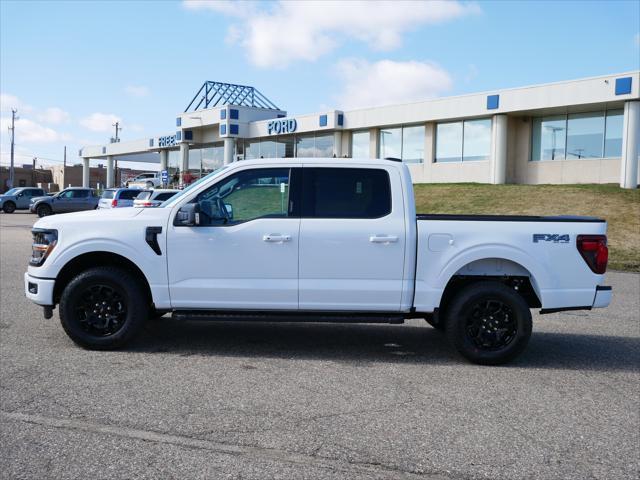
(9, 207)
(113, 290)
(43, 210)
(488, 323)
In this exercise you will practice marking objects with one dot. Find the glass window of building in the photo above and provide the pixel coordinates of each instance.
(212, 158)
(548, 138)
(286, 147)
(305, 146)
(449, 142)
(360, 144)
(413, 144)
(324, 146)
(585, 135)
(268, 148)
(613, 133)
(476, 143)
(251, 149)
(391, 143)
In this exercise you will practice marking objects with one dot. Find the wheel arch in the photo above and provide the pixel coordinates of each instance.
(97, 259)
(504, 270)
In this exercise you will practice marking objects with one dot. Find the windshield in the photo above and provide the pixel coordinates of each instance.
(13, 191)
(179, 195)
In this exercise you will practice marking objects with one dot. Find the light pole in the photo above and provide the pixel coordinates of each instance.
(12, 128)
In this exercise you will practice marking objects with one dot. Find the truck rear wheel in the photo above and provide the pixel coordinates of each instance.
(488, 323)
(103, 308)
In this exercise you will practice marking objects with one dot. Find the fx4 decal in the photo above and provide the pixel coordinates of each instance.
(551, 237)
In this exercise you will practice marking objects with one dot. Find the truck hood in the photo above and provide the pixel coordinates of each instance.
(87, 218)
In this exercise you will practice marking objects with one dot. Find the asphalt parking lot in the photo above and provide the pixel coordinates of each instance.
(259, 401)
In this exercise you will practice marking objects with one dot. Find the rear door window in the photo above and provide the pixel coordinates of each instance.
(108, 194)
(345, 193)
(164, 196)
(129, 194)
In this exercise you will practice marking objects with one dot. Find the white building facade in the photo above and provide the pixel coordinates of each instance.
(580, 131)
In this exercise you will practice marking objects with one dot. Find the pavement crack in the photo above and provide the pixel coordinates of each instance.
(254, 452)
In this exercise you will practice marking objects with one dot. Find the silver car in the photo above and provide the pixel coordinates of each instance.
(72, 199)
(118, 197)
(153, 198)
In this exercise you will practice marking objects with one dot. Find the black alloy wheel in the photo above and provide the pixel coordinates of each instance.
(101, 310)
(104, 307)
(488, 322)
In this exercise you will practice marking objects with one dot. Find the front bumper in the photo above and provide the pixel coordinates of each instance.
(603, 296)
(39, 290)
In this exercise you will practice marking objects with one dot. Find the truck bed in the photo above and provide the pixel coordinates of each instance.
(508, 218)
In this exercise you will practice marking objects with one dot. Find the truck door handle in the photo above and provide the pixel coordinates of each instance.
(276, 238)
(383, 238)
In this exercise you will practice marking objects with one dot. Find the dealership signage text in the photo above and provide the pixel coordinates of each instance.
(168, 141)
(282, 126)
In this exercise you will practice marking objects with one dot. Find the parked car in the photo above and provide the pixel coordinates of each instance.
(333, 240)
(19, 198)
(119, 197)
(72, 199)
(147, 180)
(153, 198)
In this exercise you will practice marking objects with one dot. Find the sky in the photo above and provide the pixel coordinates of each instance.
(72, 69)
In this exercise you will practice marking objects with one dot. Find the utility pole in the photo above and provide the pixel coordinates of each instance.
(13, 141)
(118, 128)
(64, 168)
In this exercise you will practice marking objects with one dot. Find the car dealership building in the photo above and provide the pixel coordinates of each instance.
(579, 131)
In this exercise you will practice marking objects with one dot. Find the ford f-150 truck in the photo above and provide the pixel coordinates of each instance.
(333, 240)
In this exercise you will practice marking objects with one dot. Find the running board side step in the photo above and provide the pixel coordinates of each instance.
(287, 316)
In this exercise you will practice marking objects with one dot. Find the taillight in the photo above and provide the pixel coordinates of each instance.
(114, 203)
(593, 249)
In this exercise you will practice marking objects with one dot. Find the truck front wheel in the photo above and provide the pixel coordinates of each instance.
(43, 210)
(103, 308)
(488, 323)
(9, 207)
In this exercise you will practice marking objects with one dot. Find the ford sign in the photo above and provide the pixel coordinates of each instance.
(282, 126)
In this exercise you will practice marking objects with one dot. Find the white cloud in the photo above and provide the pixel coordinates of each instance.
(137, 90)
(28, 131)
(100, 122)
(290, 31)
(227, 7)
(7, 102)
(387, 82)
(53, 115)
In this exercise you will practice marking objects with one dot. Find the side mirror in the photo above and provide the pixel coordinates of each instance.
(188, 215)
(20, 195)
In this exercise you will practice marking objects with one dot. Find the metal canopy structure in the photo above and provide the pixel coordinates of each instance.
(213, 94)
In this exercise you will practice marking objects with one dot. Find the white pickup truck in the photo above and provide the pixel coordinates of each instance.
(310, 240)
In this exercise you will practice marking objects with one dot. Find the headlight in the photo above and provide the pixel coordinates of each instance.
(44, 241)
